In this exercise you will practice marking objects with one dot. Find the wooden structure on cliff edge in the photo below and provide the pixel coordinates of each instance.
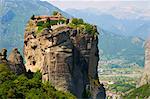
(44, 18)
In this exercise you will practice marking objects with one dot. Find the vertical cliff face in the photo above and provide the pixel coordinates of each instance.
(16, 61)
(146, 74)
(67, 57)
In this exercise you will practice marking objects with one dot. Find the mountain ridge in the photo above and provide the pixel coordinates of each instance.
(109, 22)
(14, 16)
(114, 46)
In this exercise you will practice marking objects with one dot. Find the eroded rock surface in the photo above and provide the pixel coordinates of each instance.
(14, 62)
(66, 57)
(3, 56)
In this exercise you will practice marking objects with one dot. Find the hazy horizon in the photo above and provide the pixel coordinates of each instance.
(118, 8)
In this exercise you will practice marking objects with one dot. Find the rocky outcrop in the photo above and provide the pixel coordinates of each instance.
(14, 62)
(3, 55)
(66, 57)
(146, 73)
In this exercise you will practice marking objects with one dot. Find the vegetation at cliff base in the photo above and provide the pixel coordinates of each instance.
(142, 92)
(28, 86)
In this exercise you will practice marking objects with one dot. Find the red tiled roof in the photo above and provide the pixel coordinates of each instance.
(50, 17)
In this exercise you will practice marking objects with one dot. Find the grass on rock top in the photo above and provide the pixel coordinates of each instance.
(75, 23)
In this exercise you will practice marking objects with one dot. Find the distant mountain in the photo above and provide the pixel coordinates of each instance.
(120, 39)
(142, 30)
(14, 14)
(128, 26)
(114, 46)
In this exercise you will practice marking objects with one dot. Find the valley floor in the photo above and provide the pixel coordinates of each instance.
(119, 81)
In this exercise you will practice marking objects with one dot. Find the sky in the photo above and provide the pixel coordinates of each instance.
(119, 8)
(100, 4)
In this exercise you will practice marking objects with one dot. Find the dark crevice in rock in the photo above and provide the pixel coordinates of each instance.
(25, 42)
(29, 57)
(34, 47)
(33, 62)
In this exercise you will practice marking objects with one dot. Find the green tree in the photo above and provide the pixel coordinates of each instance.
(77, 21)
(55, 12)
(80, 21)
(88, 28)
(13, 86)
(33, 17)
